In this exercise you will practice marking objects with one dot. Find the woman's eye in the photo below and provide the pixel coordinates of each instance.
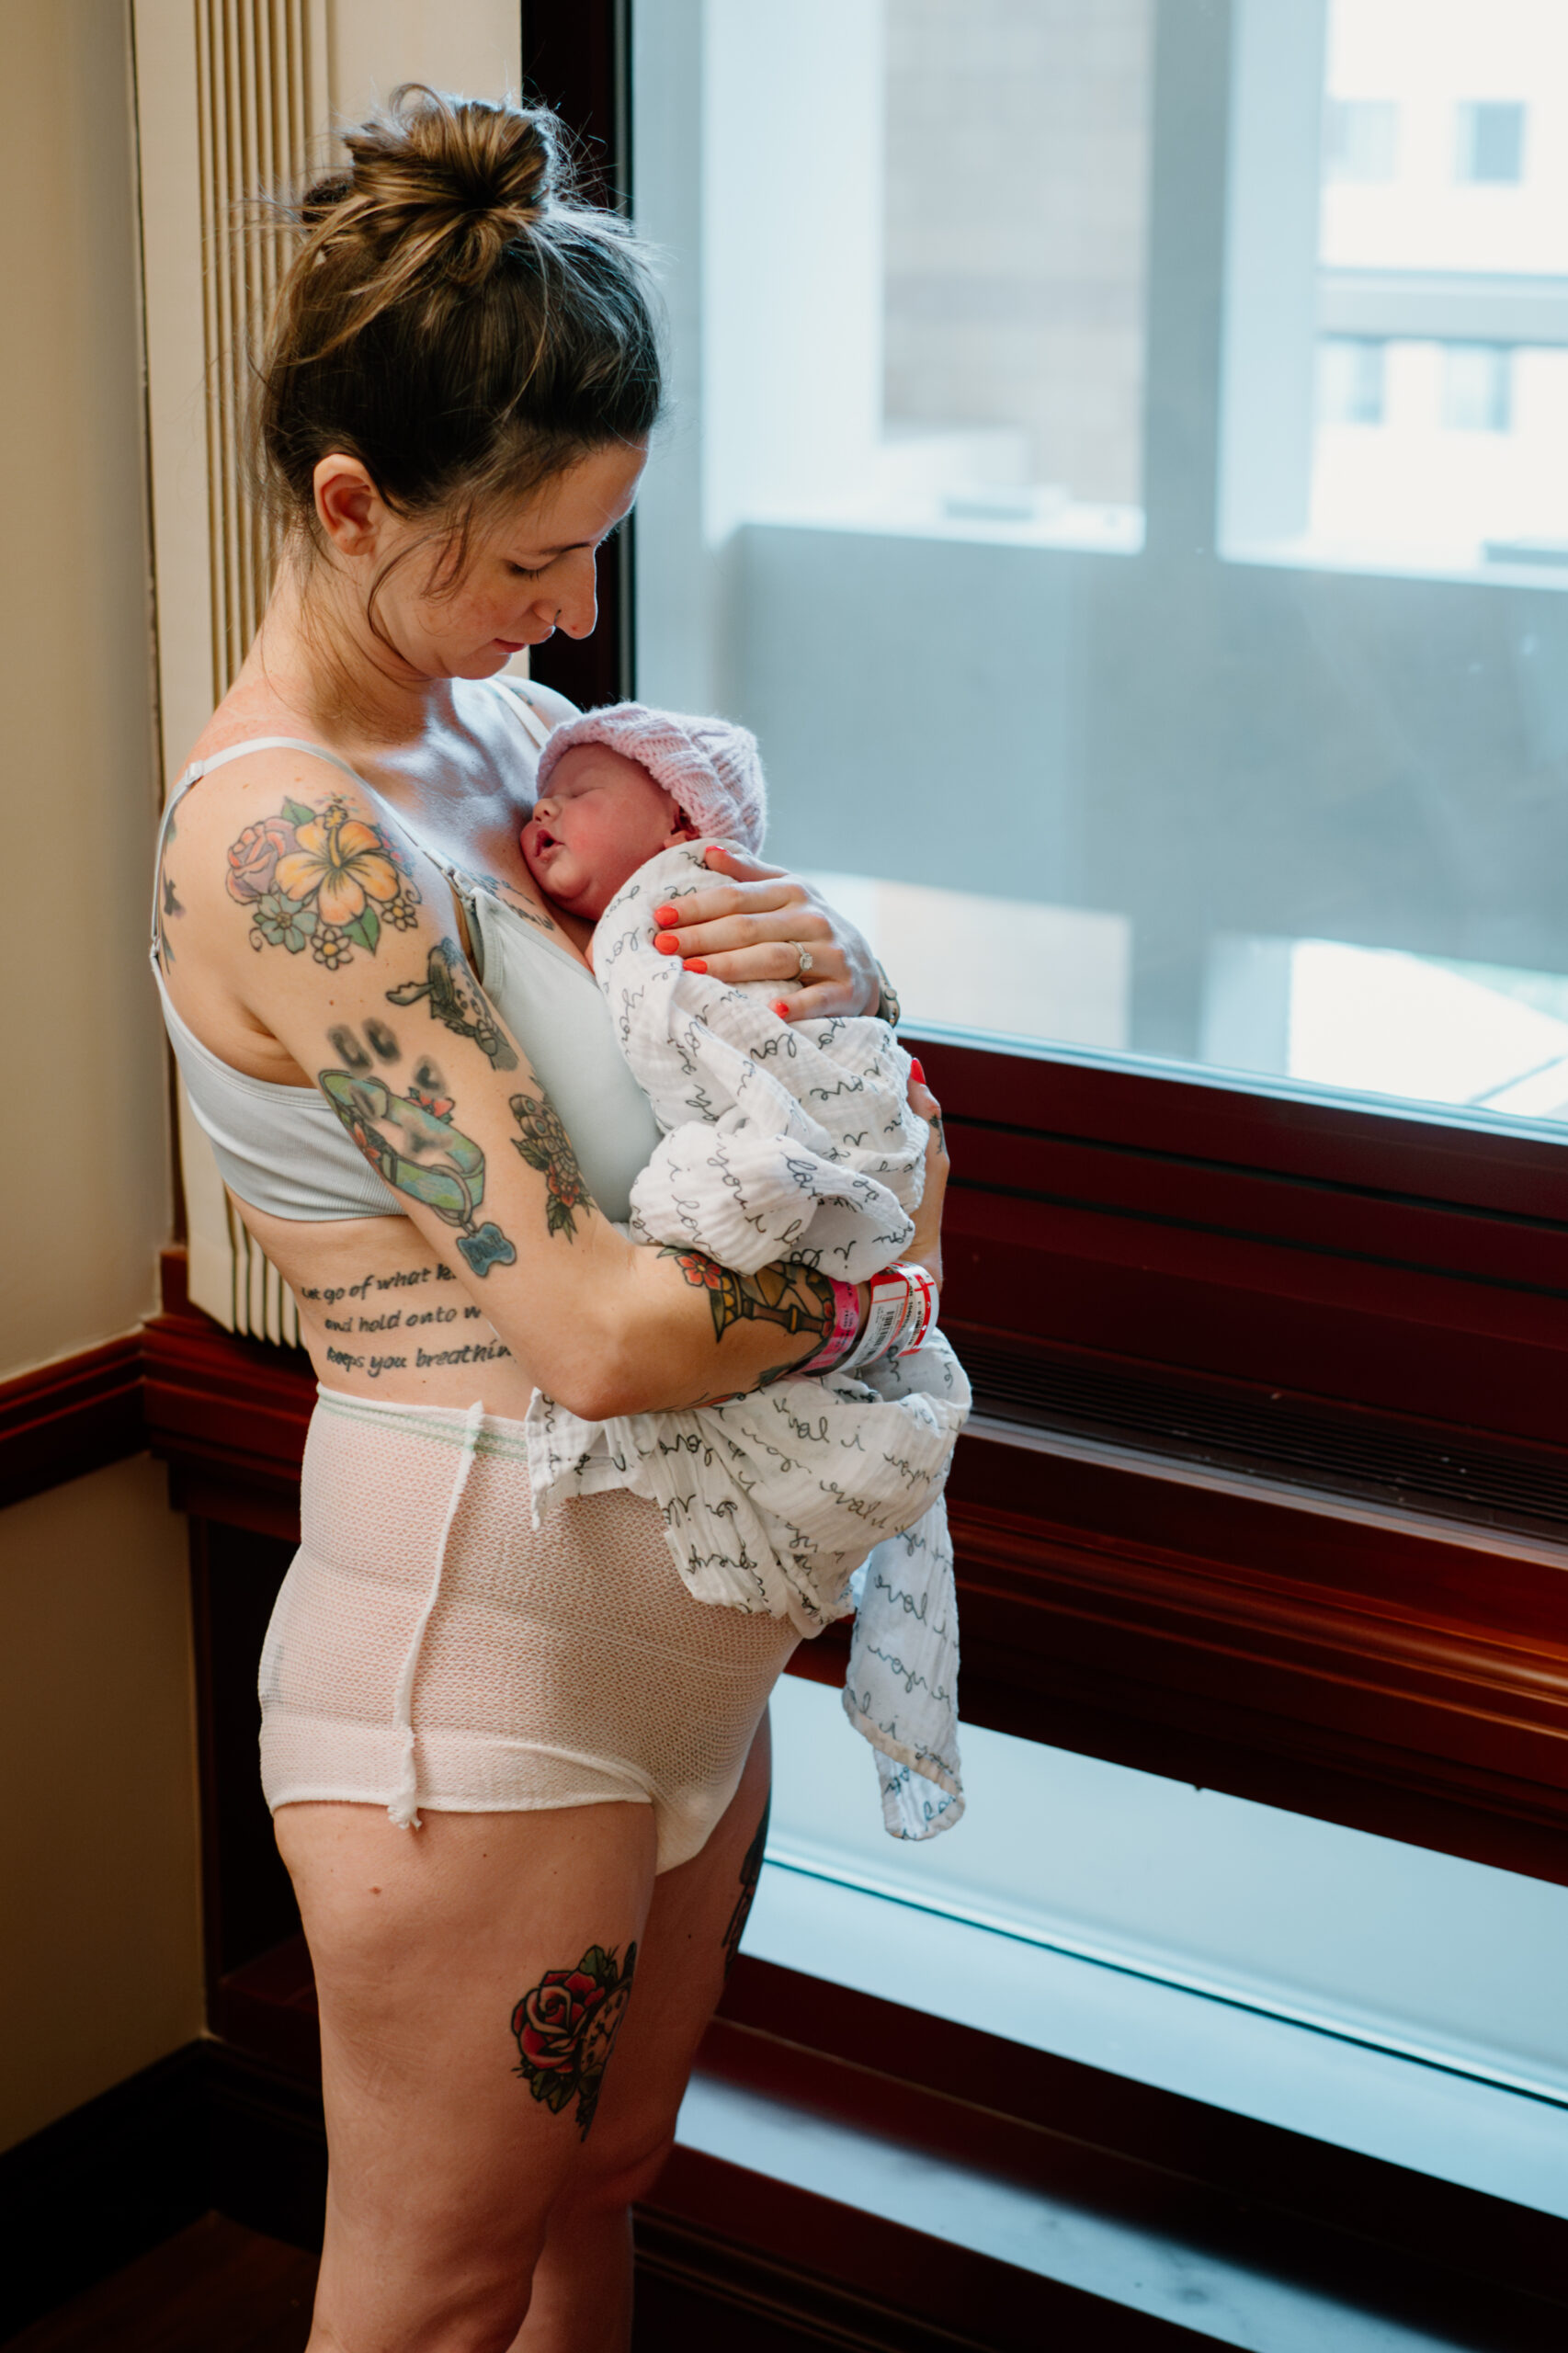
(526, 572)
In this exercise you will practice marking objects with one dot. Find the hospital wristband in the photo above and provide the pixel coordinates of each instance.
(841, 1339)
(902, 1300)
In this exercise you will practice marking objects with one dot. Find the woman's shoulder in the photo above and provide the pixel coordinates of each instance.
(292, 840)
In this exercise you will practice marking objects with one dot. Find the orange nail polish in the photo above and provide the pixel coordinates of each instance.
(666, 943)
(781, 1008)
(914, 1070)
(695, 964)
(665, 915)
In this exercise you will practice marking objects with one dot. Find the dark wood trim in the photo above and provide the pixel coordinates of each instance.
(58, 1421)
(102, 2185)
(1405, 1683)
(1158, 2157)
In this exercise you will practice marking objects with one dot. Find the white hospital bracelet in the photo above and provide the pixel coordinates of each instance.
(898, 1315)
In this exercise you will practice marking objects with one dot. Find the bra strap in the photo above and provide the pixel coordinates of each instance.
(515, 700)
(198, 768)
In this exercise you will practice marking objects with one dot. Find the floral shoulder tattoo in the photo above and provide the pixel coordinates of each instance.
(323, 881)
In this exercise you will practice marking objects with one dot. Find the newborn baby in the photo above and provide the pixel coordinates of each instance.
(619, 786)
(780, 1140)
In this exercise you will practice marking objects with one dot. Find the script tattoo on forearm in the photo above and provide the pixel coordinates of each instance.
(322, 879)
(410, 1142)
(453, 996)
(793, 1296)
(545, 1145)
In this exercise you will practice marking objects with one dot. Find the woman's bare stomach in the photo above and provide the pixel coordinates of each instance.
(384, 1316)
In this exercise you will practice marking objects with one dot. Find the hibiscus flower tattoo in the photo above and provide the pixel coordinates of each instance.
(566, 2029)
(324, 881)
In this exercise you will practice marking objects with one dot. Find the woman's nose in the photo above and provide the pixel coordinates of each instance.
(577, 593)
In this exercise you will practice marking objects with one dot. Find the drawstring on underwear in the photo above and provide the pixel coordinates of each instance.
(404, 1811)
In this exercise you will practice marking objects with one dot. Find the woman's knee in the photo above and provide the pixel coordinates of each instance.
(621, 2173)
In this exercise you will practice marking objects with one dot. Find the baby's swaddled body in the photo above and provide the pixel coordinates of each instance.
(782, 1140)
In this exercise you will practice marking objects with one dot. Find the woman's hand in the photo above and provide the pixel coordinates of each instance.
(926, 1247)
(748, 926)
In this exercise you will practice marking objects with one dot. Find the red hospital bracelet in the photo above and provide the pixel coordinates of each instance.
(841, 1339)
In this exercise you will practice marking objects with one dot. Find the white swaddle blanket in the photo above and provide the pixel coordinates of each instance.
(788, 1141)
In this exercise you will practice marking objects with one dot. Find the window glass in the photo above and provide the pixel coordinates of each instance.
(1491, 143)
(1125, 484)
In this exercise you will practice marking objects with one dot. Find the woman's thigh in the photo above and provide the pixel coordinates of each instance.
(473, 1978)
(694, 1926)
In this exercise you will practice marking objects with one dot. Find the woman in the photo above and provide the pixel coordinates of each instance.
(454, 412)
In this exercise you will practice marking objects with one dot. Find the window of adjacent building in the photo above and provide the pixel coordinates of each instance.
(1060, 460)
(1350, 380)
(1477, 388)
(1360, 139)
(1489, 144)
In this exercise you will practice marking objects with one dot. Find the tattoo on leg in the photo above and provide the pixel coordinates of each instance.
(546, 1145)
(751, 1872)
(410, 1142)
(455, 1000)
(789, 1294)
(566, 2028)
(322, 879)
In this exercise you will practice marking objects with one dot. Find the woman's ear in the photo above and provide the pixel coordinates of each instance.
(348, 505)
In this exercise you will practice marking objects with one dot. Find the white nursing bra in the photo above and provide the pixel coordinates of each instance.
(282, 1149)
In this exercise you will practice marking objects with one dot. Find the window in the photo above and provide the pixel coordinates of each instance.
(1467, 296)
(1350, 381)
(1477, 388)
(1489, 143)
(950, 440)
(1360, 139)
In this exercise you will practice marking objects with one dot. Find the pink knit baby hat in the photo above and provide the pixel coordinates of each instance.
(710, 768)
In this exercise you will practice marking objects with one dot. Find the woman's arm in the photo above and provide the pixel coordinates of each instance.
(329, 932)
(748, 926)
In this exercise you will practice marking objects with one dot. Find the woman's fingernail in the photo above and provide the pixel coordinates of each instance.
(666, 943)
(914, 1070)
(695, 964)
(781, 1008)
(665, 915)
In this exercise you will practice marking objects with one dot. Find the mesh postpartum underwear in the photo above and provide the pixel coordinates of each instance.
(430, 1648)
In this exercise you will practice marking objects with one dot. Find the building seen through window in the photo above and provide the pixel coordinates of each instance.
(1125, 484)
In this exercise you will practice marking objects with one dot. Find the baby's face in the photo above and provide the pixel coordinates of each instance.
(602, 818)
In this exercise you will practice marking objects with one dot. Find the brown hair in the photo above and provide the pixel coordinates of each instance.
(454, 318)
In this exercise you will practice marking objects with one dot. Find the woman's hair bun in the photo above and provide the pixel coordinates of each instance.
(454, 315)
(450, 182)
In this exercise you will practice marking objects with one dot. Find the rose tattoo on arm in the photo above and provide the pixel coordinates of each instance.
(545, 1145)
(566, 2027)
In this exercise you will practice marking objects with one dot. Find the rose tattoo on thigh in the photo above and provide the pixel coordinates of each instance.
(566, 2028)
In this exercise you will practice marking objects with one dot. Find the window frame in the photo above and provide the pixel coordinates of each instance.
(1306, 1284)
